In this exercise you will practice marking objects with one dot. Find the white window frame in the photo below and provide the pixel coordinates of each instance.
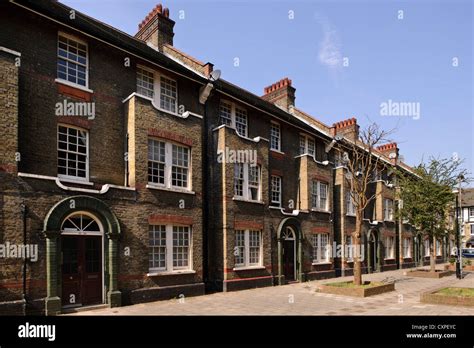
(70, 177)
(247, 263)
(389, 247)
(388, 209)
(320, 252)
(307, 138)
(318, 195)
(82, 42)
(427, 245)
(246, 184)
(233, 122)
(150, 71)
(407, 247)
(157, 76)
(470, 213)
(275, 136)
(279, 191)
(350, 205)
(439, 249)
(471, 229)
(169, 249)
(169, 165)
(349, 247)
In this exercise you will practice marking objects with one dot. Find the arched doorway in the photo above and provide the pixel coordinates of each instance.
(373, 251)
(82, 266)
(82, 227)
(289, 253)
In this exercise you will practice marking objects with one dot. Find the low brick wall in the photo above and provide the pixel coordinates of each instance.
(357, 292)
(453, 268)
(252, 283)
(162, 293)
(426, 274)
(433, 298)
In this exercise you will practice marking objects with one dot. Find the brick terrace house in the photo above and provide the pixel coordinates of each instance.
(139, 199)
(467, 217)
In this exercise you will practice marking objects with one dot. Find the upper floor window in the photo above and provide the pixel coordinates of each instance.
(275, 143)
(276, 190)
(319, 195)
(320, 247)
(73, 153)
(307, 145)
(248, 248)
(165, 91)
(170, 248)
(233, 116)
(388, 209)
(471, 213)
(247, 181)
(72, 60)
(145, 82)
(389, 247)
(350, 205)
(168, 164)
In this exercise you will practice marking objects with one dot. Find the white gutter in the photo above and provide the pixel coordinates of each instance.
(105, 188)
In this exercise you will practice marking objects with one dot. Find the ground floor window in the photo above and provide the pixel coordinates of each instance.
(438, 248)
(248, 248)
(170, 248)
(427, 247)
(389, 247)
(406, 247)
(320, 247)
(349, 250)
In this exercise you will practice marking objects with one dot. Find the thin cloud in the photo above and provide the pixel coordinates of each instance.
(330, 47)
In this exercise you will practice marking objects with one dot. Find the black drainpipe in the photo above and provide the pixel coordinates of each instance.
(205, 197)
(24, 211)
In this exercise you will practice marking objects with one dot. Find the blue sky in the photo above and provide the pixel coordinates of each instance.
(405, 57)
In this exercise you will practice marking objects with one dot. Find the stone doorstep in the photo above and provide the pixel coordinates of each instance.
(427, 274)
(357, 292)
(84, 308)
(433, 298)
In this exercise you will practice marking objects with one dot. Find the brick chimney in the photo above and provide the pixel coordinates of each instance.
(281, 94)
(388, 149)
(348, 128)
(157, 28)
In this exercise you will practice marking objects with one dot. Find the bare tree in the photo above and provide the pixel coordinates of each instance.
(361, 160)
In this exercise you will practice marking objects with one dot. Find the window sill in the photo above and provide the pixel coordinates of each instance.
(74, 85)
(277, 151)
(321, 211)
(385, 220)
(351, 215)
(389, 259)
(162, 188)
(276, 207)
(164, 273)
(247, 268)
(247, 200)
(321, 263)
(75, 181)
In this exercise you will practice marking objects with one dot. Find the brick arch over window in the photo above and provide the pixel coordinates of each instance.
(52, 231)
(295, 224)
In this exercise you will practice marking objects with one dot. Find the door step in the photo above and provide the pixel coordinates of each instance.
(83, 308)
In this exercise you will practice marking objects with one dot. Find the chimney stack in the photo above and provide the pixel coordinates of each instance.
(390, 150)
(348, 128)
(157, 28)
(281, 94)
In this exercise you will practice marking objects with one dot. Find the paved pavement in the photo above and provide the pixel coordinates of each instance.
(303, 299)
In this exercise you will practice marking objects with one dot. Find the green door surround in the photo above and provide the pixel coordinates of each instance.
(52, 231)
(296, 225)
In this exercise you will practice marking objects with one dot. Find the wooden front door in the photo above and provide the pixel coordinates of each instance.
(81, 270)
(289, 259)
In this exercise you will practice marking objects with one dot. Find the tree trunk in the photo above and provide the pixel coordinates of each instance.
(433, 255)
(357, 242)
